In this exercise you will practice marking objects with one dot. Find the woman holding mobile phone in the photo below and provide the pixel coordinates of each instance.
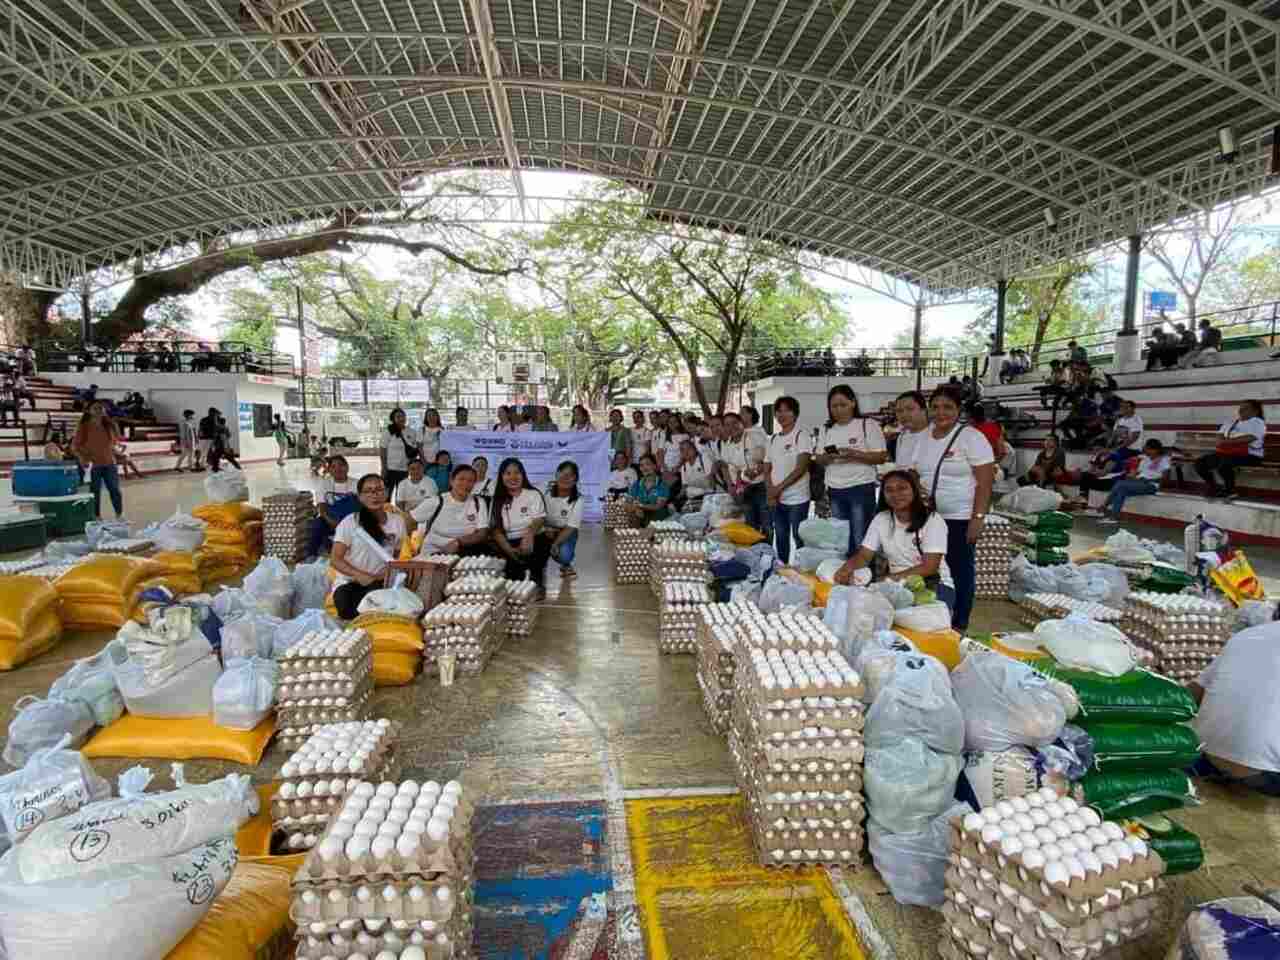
(851, 446)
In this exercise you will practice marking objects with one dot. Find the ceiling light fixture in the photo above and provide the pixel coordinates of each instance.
(1227, 148)
(1050, 220)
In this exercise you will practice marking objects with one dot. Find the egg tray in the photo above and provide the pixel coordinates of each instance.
(360, 658)
(467, 566)
(295, 713)
(769, 635)
(786, 858)
(133, 546)
(458, 933)
(788, 714)
(832, 844)
(716, 705)
(291, 689)
(758, 781)
(338, 901)
(455, 859)
(457, 945)
(824, 805)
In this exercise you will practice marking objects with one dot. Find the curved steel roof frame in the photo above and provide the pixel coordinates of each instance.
(920, 138)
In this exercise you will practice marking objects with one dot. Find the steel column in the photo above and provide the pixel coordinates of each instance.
(1002, 295)
(917, 333)
(1129, 326)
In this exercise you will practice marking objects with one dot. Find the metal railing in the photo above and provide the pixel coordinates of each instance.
(172, 356)
(819, 362)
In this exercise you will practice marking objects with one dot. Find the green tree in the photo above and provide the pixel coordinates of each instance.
(1049, 306)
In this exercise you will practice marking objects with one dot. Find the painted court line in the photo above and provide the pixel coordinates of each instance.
(875, 944)
(664, 793)
(629, 944)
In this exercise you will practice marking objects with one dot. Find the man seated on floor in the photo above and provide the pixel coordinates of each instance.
(1239, 719)
(337, 500)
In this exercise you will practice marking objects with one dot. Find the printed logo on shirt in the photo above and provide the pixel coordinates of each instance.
(564, 511)
(524, 511)
(471, 518)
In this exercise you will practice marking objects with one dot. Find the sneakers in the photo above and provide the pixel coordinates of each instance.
(1091, 512)
(567, 571)
(1108, 521)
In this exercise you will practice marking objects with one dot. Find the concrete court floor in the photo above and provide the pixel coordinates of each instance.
(587, 708)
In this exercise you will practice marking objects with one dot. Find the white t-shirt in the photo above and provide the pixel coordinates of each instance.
(397, 457)
(483, 488)
(1133, 423)
(899, 547)
(331, 489)
(697, 477)
(463, 426)
(622, 479)
(784, 451)
(957, 486)
(1153, 470)
(640, 439)
(1239, 719)
(671, 450)
(904, 454)
(503, 428)
(561, 513)
(362, 551)
(582, 429)
(1256, 427)
(430, 443)
(525, 428)
(518, 515)
(409, 494)
(455, 520)
(863, 435)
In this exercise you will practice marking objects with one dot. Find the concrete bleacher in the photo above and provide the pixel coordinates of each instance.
(1182, 408)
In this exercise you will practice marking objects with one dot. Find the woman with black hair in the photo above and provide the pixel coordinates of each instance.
(580, 421)
(484, 482)
(398, 446)
(912, 538)
(518, 513)
(94, 445)
(363, 544)
(564, 518)
(432, 427)
(505, 423)
(457, 521)
(911, 410)
(850, 447)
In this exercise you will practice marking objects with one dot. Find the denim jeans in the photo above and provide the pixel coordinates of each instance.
(786, 524)
(1266, 782)
(321, 537)
(1125, 488)
(756, 509)
(962, 560)
(856, 504)
(564, 553)
(110, 478)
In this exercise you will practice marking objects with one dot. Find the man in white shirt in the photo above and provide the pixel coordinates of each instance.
(1126, 439)
(754, 450)
(640, 436)
(337, 500)
(788, 475)
(415, 488)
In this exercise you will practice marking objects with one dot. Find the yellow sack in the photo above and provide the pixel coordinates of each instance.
(106, 576)
(1015, 653)
(394, 669)
(90, 616)
(254, 838)
(329, 607)
(228, 537)
(22, 601)
(176, 561)
(227, 514)
(740, 534)
(1236, 579)
(179, 584)
(289, 861)
(249, 920)
(180, 738)
(391, 634)
(43, 634)
(943, 644)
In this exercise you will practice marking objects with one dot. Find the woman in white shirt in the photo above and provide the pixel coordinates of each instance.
(458, 521)
(414, 488)
(851, 446)
(912, 538)
(364, 543)
(504, 424)
(622, 476)
(1243, 444)
(672, 437)
(640, 436)
(912, 412)
(1149, 470)
(581, 419)
(957, 469)
(484, 482)
(564, 518)
(432, 427)
(517, 514)
(697, 472)
(787, 471)
(753, 448)
(397, 447)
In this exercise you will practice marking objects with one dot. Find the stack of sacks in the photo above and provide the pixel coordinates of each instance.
(462, 629)
(286, 524)
(1038, 607)
(1047, 881)
(798, 756)
(233, 541)
(677, 560)
(327, 677)
(631, 555)
(915, 738)
(77, 886)
(179, 573)
(382, 884)
(30, 622)
(678, 616)
(100, 593)
(54, 782)
(995, 551)
(522, 608)
(390, 618)
(1039, 527)
(717, 663)
(1183, 633)
(167, 668)
(322, 771)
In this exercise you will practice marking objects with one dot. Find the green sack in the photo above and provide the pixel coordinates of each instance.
(1142, 746)
(1166, 580)
(1178, 847)
(1134, 793)
(1045, 520)
(1046, 538)
(1046, 556)
(1138, 696)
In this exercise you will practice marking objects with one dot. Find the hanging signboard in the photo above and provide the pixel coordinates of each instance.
(384, 391)
(351, 391)
(415, 391)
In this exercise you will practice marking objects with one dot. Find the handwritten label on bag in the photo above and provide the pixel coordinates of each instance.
(25, 810)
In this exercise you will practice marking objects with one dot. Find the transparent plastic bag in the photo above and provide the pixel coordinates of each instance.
(779, 592)
(899, 597)
(745, 590)
(188, 692)
(925, 618)
(1105, 583)
(875, 659)
(1233, 928)
(1031, 500)
(250, 635)
(1254, 613)
(291, 631)
(98, 532)
(270, 586)
(913, 865)
(1030, 578)
(807, 559)
(867, 613)
(1005, 703)
(907, 784)
(232, 602)
(989, 777)
(40, 724)
(1068, 580)
(181, 532)
(54, 782)
(67, 550)
(1084, 644)
(245, 693)
(226, 486)
(825, 534)
(92, 682)
(916, 701)
(393, 600)
(828, 569)
(695, 524)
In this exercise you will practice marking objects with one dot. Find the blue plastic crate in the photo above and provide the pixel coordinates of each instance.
(45, 478)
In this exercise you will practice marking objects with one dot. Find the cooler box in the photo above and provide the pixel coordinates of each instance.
(45, 478)
(66, 516)
(25, 533)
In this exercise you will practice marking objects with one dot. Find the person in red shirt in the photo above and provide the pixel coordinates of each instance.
(989, 429)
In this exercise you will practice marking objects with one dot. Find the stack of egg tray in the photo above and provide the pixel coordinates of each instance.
(411, 885)
(131, 546)
(667, 530)
(464, 628)
(327, 677)
(717, 643)
(483, 588)
(995, 553)
(318, 776)
(9, 568)
(286, 524)
(615, 513)
(631, 555)
(798, 750)
(470, 566)
(522, 608)
(677, 560)
(1183, 633)
(1036, 607)
(1080, 893)
(678, 609)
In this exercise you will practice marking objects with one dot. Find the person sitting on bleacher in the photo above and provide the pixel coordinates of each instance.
(1084, 425)
(1242, 445)
(1209, 348)
(166, 361)
(1142, 479)
(1050, 467)
(142, 360)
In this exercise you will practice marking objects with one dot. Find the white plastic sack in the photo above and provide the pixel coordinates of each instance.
(245, 693)
(866, 613)
(719, 506)
(232, 602)
(1026, 577)
(899, 597)
(1001, 775)
(1005, 703)
(136, 828)
(92, 682)
(916, 702)
(181, 532)
(1085, 644)
(310, 586)
(877, 657)
(133, 911)
(1105, 584)
(907, 784)
(54, 782)
(828, 569)
(745, 590)
(913, 865)
(393, 600)
(40, 724)
(926, 618)
(695, 524)
(826, 534)
(808, 559)
(1068, 580)
(1032, 500)
(1123, 545)
(188, 692)
(270, 586)
(250, 635)
(98, 532)
(170, 642)
(226, 486)
(291, 631)
(1254, 613)
(779, 592)
(67, 550)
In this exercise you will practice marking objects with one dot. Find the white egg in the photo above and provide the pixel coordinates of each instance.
(1068, 805)
(343, 830)
(1051, 851)
(1108, 857)
(1113, 831)
(1074, 867)
(1089, 816)
(1056, 872)
(1039, 817)
(1020, 804)
(1045, 835)
(1006, 809)
(364, 829)
(1091, 862)
(1048, 794)
(1097, 837)
(1074, 822)
(1123, 852)
(407, 844)
(286, 791)
(365, 789)
(386, 789)
(1010, 846)
(1054, 809)
(1029, 841)
(1060, 829)
(1024, 822)
(992, 834)
(991, 815)
(973, 822)
(382, 846)
(1034, 800)
(1137, 845)
(357, 847)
